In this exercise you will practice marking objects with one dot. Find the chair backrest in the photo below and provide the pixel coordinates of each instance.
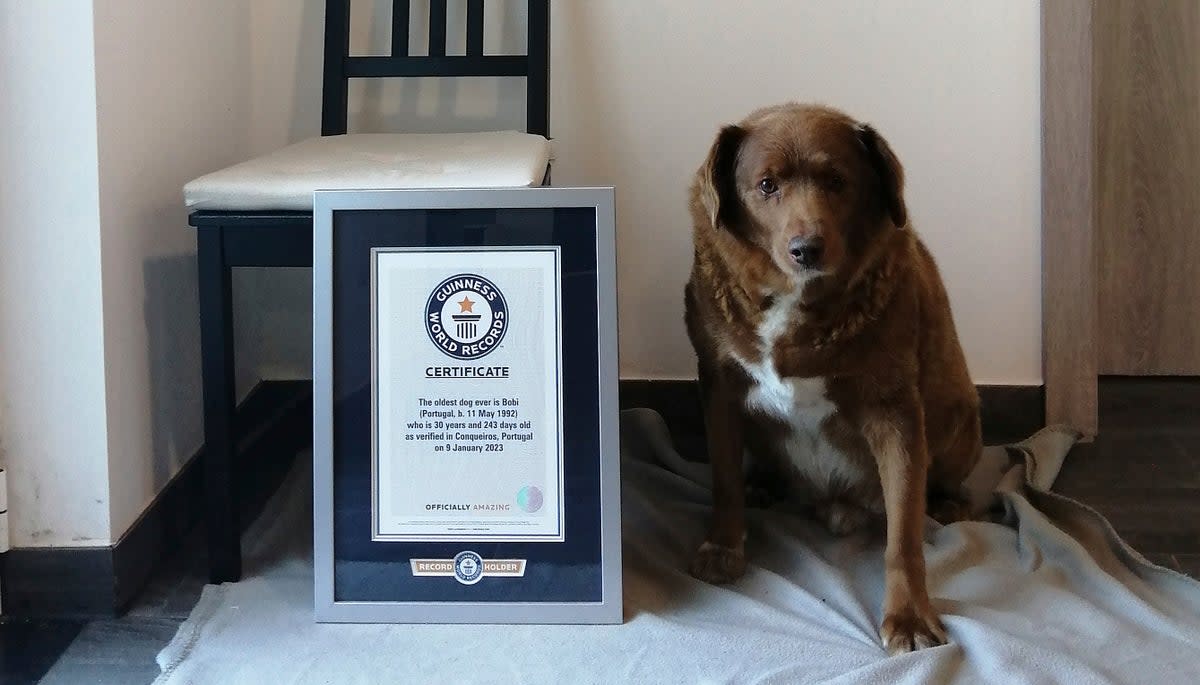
(340, 66)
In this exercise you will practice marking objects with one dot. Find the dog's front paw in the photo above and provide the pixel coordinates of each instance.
(718, 564)
(910, 629)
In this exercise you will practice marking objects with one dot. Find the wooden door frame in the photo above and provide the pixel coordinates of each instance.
(1069, 328)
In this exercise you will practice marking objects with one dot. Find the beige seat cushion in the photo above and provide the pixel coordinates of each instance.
(286, 178)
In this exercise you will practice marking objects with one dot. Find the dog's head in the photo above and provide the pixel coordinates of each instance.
(808, 185)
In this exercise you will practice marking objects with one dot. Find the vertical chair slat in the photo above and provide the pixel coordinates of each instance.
(537, 87)
(400, 14)
(437, 28)
(474, 27)
(335, 94)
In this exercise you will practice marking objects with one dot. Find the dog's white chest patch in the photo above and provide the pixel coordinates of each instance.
(800, 404)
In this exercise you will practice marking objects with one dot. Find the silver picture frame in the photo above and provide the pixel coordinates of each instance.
(327, 608)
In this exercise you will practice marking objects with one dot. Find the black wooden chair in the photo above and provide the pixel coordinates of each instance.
(259, 213)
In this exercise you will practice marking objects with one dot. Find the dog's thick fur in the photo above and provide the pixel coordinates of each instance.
(841, 380)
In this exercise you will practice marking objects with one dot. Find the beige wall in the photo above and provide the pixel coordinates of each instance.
(172, 103)
(100, 372)
(639, 88)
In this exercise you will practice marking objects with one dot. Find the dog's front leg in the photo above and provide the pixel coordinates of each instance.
(722, 556)
(896, 436)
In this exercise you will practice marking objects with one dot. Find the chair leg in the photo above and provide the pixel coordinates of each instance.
(216, 345)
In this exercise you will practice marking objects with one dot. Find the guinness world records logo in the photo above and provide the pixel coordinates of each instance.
(466, 316)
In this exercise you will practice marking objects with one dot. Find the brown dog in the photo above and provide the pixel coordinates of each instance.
(827, 351)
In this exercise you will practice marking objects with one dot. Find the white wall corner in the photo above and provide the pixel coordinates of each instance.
(52, 412)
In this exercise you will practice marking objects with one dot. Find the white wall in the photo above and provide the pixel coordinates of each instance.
(639, 89)
(52, 420)
(173, 101)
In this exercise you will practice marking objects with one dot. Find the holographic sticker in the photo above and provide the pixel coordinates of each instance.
(529, 498)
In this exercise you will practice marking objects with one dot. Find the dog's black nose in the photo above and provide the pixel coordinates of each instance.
(806, 251)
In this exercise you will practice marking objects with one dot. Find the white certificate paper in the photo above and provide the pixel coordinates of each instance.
(467, 402)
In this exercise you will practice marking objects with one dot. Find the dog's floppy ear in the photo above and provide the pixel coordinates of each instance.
(887, 168)
(718, 189)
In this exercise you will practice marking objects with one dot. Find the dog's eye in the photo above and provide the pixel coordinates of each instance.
(835, 183)
(767, 186)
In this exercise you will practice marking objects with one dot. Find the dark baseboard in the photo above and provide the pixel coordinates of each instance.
(58, 582)
(1008, 412)
(1011, 412)
(274, 422)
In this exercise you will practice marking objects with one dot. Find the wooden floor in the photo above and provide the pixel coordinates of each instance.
(1143, 473)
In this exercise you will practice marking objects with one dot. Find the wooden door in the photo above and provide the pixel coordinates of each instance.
(1146, 89)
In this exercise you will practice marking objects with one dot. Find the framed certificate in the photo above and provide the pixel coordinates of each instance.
(465, 439)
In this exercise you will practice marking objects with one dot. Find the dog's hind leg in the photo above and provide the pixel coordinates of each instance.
(842, 517)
